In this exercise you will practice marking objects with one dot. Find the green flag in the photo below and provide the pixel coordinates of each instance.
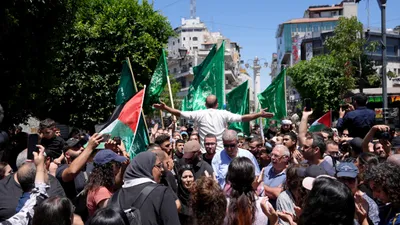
(209, 79)
(237, 101)
(157, 83)
(125, 89)
(273, 97)
(187, 103)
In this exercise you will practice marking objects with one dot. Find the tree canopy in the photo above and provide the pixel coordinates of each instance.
(73, 76)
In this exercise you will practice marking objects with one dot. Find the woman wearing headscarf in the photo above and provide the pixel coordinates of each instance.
(142, 191)
(185, 183)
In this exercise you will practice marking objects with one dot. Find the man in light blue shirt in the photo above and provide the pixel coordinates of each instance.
(223, 158)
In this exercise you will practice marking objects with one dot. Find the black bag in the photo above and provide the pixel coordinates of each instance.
(80, 202)
(133, 213)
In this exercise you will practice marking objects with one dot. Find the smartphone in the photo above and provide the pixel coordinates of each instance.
(33, 140)
(307, 104)
(106, 137)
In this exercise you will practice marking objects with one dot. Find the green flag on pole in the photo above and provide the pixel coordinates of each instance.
(187, 103)
(209, 79)
(237, 101)
(126, 89)
(157, 83)
(273, 97)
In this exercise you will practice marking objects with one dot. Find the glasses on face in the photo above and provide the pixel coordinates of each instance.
(230, 146)
(160, 166)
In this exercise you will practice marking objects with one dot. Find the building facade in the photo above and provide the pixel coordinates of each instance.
(290, 35)
(194, 38)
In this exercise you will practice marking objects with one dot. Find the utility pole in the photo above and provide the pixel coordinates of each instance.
(382, 5)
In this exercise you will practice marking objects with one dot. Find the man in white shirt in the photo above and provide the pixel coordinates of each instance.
(213, 120)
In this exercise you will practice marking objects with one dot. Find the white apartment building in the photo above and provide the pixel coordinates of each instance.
(196, 40)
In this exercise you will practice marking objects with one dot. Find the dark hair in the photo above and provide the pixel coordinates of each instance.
(361, 99)
(256, 139)
(151, 146)
(180, 141)
(368, 159)
(208, 202)
(46, 123)
(329, 202)
(387, 176)
(161, 139)
(331, 142)
(101, 176)
(210, 136)
(329, 131)
(294, 182)
(376, 143)
(292, 136)
(2, 169)
(109, 216)
(318, 141)
(53, 211)
(241, 176)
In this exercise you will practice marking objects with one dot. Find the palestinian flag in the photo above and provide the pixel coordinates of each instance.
(321, 123)
(126, 125)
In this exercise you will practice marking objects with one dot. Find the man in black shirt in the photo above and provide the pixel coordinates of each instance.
(210, 143)
(193, 156)
(53, 144)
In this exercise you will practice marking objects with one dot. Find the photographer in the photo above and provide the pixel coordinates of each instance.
(358, 119)
(381, 132)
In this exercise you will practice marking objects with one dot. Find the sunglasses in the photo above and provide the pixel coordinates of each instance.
(230, 146)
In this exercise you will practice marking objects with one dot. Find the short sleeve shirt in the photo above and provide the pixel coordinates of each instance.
(95, 197)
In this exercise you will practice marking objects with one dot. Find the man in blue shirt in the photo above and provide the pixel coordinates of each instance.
(359, 121)
(223, 158)
(275, 173)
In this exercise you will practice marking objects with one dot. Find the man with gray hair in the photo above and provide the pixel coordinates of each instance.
(212, 120)
(223, 158)
(11, 190)
(275, 173)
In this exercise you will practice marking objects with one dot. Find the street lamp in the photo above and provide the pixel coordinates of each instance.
(382, 6)
(182, 52)
(257, 65)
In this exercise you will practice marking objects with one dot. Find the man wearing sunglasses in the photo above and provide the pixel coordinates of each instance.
(223, 158)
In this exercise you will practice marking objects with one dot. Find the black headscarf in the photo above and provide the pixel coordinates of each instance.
(183, 193)
(141, 166)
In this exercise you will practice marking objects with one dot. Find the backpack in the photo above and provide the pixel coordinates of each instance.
(133, 213)
(80, 202)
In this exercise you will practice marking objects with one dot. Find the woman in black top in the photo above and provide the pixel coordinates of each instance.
(159, 206)
(185, 183)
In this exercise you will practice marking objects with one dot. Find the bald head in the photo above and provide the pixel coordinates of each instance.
(212, 102)
(26, 176)
(229, 135)
(394, 159)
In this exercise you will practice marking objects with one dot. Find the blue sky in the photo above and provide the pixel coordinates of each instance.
(253, 23)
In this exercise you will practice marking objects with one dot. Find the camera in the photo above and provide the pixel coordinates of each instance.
(385, 135)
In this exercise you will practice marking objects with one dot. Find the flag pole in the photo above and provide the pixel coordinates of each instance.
(136, 89)
(162, 120)
(170, 95)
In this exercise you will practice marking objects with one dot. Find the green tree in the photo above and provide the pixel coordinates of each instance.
(30, 39)
(350, 49)
(321, 80)
(104, 33)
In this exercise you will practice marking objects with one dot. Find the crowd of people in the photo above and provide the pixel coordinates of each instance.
(209, 175)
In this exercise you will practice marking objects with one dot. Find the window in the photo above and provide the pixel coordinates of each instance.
(175, 70)
(194, 38)
(173, 43)
(190, 38)
(195, 48)
(183, 38)
(178, 40)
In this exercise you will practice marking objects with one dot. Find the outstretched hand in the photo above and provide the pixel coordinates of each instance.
(266, 114)
(160, 105)
(307, 113)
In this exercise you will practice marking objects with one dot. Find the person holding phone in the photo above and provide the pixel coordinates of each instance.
(358, 120)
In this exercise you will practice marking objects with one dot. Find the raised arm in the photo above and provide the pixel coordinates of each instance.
(303, 125)
(370, 135)
(163, 106)
(252, 116)
(75, 167)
